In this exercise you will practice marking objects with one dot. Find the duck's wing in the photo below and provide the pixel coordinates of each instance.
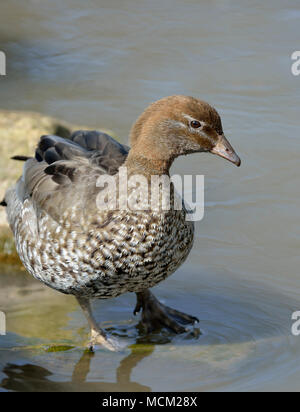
(61, 180)
(99, 148)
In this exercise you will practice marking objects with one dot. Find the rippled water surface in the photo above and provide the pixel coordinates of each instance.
(101, 65)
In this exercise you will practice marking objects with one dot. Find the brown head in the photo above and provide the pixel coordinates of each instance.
(175, 126)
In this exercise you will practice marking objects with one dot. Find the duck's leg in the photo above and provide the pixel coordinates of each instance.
(98, 335)
(156, 315)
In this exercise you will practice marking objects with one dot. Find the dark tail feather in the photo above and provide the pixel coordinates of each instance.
(3, 203)
(21, 158)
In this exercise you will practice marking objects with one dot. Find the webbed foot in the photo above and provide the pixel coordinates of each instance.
(155, 315)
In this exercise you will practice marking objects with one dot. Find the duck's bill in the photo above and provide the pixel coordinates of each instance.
(224, 149)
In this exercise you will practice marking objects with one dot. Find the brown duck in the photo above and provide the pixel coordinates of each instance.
(66, 241)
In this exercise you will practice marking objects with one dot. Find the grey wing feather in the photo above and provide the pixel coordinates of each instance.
(100, 148)
(64, 172)
(103, 151)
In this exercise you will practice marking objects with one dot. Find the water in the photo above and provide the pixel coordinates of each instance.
(102, 65)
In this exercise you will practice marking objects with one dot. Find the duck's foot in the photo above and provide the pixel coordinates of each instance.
(155, 315)
(99, 337)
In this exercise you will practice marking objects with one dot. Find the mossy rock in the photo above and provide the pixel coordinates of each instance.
(8, 253)
(19, 134)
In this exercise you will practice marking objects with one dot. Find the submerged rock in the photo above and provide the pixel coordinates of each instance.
(19, 134)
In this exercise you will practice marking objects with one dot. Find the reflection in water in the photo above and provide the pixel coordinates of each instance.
(33, 378)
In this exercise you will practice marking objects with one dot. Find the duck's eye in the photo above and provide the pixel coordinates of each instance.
(195, 124)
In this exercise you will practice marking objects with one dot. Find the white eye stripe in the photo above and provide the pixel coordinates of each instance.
(182, 125)
(198, 130)
(192, 119)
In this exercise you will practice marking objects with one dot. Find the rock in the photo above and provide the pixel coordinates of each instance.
(19, 134)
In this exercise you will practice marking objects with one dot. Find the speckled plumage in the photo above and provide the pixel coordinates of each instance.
(109, 254)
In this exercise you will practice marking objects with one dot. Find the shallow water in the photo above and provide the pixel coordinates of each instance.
(102, 65)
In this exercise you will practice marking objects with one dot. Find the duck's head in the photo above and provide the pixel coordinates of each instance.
(179, 125)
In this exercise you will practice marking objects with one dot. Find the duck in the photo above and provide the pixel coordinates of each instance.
(65, 240)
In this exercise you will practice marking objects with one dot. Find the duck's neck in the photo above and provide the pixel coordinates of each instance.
(138, 163)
